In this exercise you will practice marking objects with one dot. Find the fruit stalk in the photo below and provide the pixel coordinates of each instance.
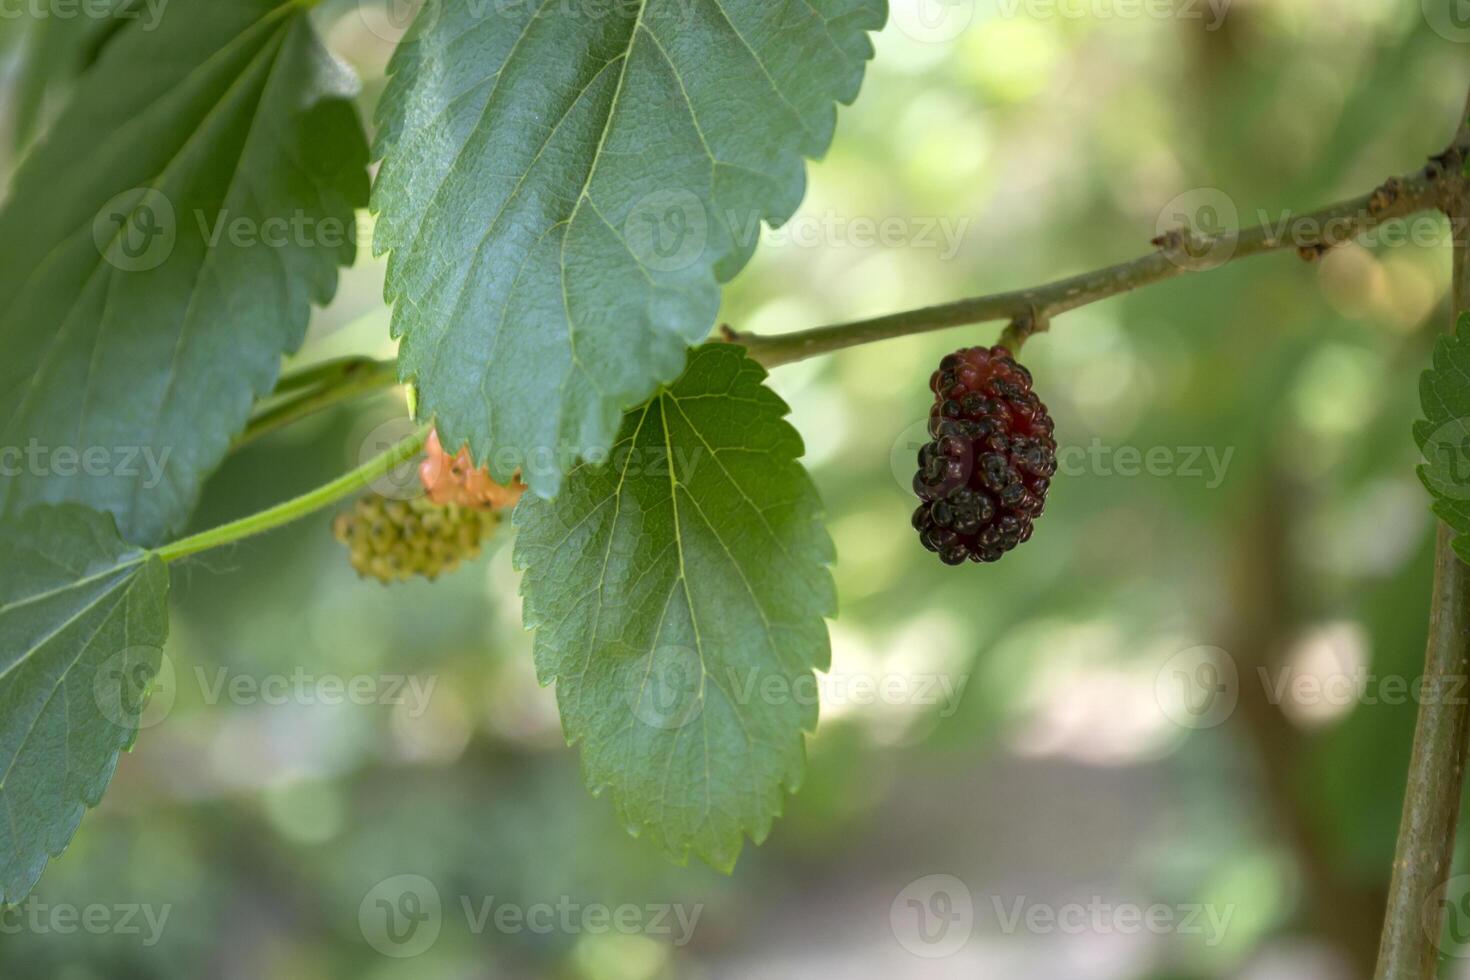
(305, 393)
(293, 510)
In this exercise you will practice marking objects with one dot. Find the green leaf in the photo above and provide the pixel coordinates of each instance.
(57, 49)
(1443, 434)
(566, 183)
(679, 596)
(160, 251)
(83, 617)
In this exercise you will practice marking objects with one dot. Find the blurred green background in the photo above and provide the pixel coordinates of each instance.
(1001, 143)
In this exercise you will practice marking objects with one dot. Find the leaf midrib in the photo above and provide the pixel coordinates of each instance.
(126, 585)
(663, 793)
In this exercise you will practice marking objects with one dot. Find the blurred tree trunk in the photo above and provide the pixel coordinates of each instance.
(1265, 618)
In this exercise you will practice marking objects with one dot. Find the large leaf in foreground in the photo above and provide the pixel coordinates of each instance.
(1443, 434)
(56, 49)
(679, 596)
(565, 184)
(83, 618)
(160, 250)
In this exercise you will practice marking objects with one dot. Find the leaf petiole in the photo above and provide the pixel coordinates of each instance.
(317, 389)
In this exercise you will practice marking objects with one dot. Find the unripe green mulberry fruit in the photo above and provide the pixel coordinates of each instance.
(394, 540)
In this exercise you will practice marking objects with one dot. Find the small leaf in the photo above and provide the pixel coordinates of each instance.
(1443, 434)
(565, 185)
(160, 251)
(83, 618)
(679, 596)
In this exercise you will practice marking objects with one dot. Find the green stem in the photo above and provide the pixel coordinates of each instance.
(324, 386)
(1014, 337)
(293, 510)
(325, 372)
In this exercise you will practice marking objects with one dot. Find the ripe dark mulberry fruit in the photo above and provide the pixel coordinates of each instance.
(984, 474)
(394, 540)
